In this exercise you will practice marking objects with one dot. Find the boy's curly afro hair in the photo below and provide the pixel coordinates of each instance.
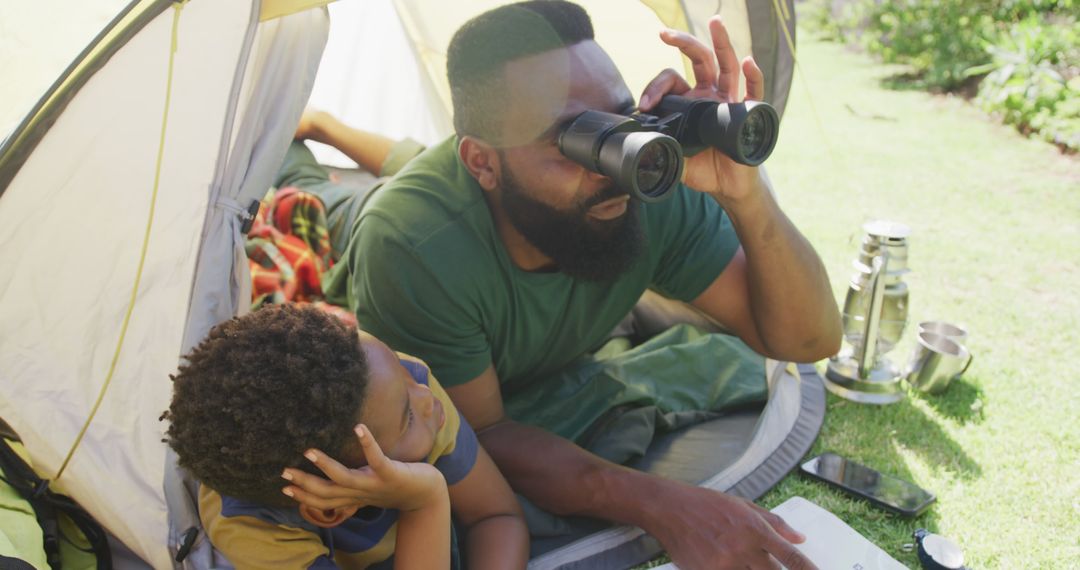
(259, 391)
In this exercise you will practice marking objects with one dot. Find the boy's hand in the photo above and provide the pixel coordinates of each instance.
(383, 482)
(309, 125)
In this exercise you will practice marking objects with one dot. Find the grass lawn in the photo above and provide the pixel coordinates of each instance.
(995, 245)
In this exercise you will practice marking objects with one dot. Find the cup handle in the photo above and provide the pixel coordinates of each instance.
(971, 358)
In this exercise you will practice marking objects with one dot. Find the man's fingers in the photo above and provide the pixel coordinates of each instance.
(669, 81)
(763, 562)
(702, 60)
(755, 79)
(728, 81)
(788, 555)
(782, 527)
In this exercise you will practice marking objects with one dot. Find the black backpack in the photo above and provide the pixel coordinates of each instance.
(48, 508)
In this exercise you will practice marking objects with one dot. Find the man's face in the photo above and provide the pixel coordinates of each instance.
(578, 218)
(402, 414)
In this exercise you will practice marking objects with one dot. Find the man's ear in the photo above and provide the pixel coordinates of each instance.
(481, 160)
(326, 518)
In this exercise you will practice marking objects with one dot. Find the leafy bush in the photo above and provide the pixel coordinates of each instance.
(1033, 82)
(940, 39)
(1027, 49)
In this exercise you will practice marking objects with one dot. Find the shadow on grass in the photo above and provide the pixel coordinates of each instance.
(879, 437)
(962, 401)
(905, 425)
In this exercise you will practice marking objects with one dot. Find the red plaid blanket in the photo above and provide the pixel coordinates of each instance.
(288, 251)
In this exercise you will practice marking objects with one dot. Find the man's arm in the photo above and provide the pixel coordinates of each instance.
(699, 528)
(775, 293)
(497, 537)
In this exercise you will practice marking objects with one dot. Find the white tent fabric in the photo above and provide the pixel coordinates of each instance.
(384, 69)
(75, 216)
(37, 59)
(72, 226)
(278, 76)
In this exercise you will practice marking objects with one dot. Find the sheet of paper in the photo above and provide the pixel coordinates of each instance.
(830, 542)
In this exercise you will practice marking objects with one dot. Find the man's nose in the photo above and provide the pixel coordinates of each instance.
(597, 178)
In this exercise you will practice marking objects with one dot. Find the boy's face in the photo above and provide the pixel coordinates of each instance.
(402, 414)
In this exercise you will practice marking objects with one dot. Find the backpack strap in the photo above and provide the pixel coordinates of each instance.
(48, 506)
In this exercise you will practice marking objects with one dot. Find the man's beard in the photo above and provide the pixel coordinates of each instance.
(593, 250)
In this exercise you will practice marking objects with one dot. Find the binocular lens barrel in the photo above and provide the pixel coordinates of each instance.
(746, 132)
(643, 153)
(645, 164)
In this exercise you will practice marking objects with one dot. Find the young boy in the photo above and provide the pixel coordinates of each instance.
(263, 391)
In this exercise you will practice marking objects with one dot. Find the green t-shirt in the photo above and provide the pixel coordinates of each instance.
(426, 272)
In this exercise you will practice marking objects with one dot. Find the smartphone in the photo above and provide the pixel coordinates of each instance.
(882, 490)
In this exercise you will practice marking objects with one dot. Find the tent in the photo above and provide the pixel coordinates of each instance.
(137, 136)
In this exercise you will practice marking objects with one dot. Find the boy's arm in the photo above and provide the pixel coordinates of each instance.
(369, 150)
(423, 535)
(497, 536)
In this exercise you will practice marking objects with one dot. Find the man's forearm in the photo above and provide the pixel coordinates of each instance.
(564, 479)
(790, 294)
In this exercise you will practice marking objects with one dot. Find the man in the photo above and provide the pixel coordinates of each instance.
(499, 261)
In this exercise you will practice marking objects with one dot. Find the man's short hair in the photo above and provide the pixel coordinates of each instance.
(259, 391)
(482, 47)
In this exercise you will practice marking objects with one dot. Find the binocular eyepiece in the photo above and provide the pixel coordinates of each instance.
(643, 153)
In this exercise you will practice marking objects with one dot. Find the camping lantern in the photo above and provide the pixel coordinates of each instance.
(875, 313)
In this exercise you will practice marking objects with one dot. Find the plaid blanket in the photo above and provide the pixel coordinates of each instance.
(288, 250)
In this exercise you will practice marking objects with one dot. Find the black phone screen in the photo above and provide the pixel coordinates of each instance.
(890, 492)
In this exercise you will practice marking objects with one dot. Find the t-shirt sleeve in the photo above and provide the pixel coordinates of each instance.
(691, 240)
(400, 300)
(401, 152)
(459, 462)
(250, 542)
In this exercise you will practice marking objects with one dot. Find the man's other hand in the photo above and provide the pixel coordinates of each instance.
(705, 529)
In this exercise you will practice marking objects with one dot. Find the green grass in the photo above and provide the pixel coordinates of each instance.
(995, 245)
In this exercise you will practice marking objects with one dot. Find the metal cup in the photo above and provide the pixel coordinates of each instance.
(955, 333)
(936, 361)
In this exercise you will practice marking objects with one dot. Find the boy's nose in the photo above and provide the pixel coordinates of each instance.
(427, 400)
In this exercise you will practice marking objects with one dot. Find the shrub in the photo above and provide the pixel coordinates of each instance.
(1033, 81)
(1026, 49)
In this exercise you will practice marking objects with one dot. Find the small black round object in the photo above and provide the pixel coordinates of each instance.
(937, 552)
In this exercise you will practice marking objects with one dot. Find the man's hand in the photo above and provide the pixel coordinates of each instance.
(700, 528)
(383, 482)
(705, 529)
(716, 76)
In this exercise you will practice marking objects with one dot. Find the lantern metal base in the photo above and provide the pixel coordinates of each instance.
(882, 386)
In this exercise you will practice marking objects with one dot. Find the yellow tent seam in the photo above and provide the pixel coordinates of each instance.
(178, 7)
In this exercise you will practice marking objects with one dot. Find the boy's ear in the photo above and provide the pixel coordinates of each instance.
(481, 160)
(326, 518)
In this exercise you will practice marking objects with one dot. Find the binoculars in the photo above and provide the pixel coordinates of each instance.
(643, 153)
